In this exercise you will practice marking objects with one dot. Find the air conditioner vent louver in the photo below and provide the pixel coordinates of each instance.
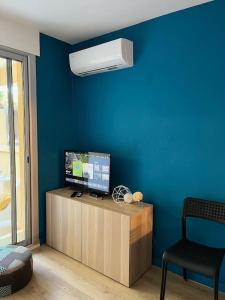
(114, 55)
(99, 70)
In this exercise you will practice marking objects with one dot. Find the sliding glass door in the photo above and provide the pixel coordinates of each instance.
(14, 150)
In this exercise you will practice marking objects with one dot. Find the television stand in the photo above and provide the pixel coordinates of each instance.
(112, 239)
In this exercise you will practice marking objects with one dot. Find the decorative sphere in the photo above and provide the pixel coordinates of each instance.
(128, 198)
(137, 196)
(119, 192)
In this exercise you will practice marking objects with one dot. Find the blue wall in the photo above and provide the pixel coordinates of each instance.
(163, 121)
(54, 117)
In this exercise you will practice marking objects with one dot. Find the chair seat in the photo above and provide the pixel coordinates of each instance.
(16, 268)
(195, 257)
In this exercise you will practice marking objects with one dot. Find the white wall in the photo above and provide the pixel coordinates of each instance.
(19, 37)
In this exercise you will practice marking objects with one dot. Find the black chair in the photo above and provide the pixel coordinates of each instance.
(193, 256)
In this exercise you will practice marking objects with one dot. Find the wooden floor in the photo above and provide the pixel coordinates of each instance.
(57, 277)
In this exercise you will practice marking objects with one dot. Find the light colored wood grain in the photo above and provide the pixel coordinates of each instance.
(49, 219)
(116, 240)
(58, 277)
(140, 243)
(105, 242)
(64, 225)
(93, 237)
(106, 202)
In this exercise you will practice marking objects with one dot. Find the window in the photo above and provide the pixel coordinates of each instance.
(15, 167)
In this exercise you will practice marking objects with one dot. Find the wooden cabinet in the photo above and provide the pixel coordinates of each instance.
(112, 239)
(64, 225)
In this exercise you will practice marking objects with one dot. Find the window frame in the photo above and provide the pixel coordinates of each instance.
(29, 73)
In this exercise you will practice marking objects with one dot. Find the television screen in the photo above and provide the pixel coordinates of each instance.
(88, 169)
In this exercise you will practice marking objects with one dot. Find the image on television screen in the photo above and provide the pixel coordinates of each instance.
(90, 169)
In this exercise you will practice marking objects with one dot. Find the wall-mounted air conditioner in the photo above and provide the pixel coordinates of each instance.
(114, 55)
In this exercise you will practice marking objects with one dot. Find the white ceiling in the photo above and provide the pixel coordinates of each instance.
(77, 20)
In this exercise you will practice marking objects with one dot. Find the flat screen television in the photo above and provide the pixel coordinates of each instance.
(88, 171)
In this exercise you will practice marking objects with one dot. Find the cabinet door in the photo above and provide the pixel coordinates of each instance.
(106, 242)
(64, 225)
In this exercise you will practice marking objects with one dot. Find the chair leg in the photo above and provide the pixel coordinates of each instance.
(163, 283)
(216, 288)
(185, 274)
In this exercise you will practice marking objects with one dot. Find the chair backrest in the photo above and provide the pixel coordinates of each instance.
(204, 209)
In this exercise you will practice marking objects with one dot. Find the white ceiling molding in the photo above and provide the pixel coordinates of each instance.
(19, 37)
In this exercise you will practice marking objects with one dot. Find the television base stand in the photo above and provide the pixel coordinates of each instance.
(96, 195)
